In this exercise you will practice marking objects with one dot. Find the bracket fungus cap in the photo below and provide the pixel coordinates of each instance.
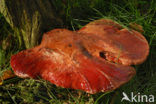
(72, 59)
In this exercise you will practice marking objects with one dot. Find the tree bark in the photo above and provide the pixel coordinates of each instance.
(30, 18)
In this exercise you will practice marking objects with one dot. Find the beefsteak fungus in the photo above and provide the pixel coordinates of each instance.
(94, 59)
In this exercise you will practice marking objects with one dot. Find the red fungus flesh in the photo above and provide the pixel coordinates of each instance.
(121, 45)
(73, 59)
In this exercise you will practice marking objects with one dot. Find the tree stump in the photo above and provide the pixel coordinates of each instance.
(30, 18)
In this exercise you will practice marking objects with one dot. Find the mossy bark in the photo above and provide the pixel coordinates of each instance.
(30, 18)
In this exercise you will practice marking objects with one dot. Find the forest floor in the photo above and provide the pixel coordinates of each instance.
(75, 14)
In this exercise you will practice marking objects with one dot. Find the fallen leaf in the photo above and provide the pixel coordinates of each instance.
(6, 75)
(136, 27)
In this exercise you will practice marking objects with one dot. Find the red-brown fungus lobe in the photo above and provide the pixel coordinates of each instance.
(69, 59)
(118, 44)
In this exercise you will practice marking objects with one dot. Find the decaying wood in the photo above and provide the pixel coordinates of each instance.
(30, 18)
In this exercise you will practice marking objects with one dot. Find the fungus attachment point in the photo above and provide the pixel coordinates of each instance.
(72, 59)
(102, 54)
